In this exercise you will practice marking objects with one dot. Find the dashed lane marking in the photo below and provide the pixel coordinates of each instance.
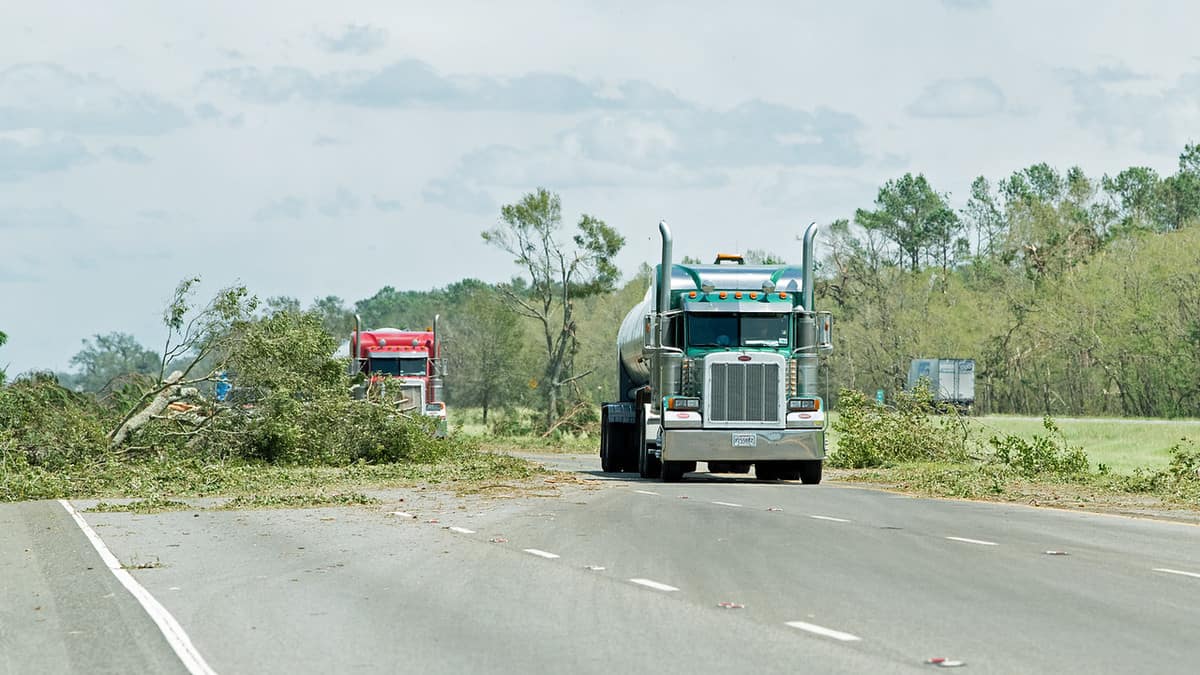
(403, 514)
(736, 506)
(540, 553)
(1179, 572)
(180, 643)
(821, 630)
(646, 492)
(648, 583)
(830, 518)
(973, 541)
(460, 530)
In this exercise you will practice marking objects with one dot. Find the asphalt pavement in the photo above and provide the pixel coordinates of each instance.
(714, 574)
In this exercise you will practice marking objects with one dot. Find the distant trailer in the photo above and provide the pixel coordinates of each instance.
(952, 380)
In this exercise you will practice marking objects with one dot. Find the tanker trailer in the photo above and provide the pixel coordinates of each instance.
(719, 364)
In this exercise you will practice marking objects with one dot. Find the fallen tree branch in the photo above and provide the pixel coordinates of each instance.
(167, 393)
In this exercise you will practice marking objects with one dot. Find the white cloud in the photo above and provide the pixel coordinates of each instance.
(1123, 106)
(354, 39)
(127, 154)
(20, 160)
(414, 83)
(968, 97)
(47, 96)
(285, 208)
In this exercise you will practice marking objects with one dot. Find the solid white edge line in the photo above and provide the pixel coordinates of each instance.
(737, 506)
(460, 530)
(1179, 572)
(821, 630)
(646, 492)
(830, 518)
(541, 554)
(653, 584)
(973, 541)
(170, 628)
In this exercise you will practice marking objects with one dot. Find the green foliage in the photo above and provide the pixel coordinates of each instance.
(43, 424)
(1045, 455)
(105, 359)
(1181, 478)
(913, 216)
(914, 429)
(559, 275)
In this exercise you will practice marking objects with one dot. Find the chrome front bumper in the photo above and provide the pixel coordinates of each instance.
(705, 445)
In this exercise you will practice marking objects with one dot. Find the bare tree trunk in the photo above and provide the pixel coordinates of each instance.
(158, 404)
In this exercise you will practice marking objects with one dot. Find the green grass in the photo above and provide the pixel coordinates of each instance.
(1122, 445)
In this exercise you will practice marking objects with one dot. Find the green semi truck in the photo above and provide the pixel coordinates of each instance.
(719, 364)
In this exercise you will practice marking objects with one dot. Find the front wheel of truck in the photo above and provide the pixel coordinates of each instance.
(810, 471)
(672, 472)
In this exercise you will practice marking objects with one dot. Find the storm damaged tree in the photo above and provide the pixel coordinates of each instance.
(199, 343)
(559, 273)
(3, 339)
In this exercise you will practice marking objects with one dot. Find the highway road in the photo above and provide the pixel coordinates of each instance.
(714, 574)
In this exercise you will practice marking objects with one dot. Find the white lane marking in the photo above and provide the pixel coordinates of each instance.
(541, 554)
(170, 628)
(646, 492)
(830, 518)
(973, 541)
(1179, 572)
(736, 506)
(460, 530)
(653, 584)
(821, 630)
(403, 514)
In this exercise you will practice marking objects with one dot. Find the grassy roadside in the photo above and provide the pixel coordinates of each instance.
(255, 483)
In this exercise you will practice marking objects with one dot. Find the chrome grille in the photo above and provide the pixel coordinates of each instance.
(744, 392)
(410, 397)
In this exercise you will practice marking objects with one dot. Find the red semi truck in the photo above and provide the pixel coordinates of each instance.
(408, 359)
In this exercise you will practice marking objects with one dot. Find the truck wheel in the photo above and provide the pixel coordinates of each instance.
(765, 471)
(649, 466)
(672, 472)
(606, 459)
(788, 471)
(810, 471)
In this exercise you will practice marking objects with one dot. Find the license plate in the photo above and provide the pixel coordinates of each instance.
(745, 440)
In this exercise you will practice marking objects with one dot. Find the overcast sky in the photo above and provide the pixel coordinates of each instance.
(318, 148)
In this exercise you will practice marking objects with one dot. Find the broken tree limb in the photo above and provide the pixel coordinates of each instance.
(167, 394)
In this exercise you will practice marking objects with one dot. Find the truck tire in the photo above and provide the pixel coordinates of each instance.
(787, 471)
(672, 472)
(765, 471)
(810, 471)
(611, 452)
(608, 458)
(649, 466)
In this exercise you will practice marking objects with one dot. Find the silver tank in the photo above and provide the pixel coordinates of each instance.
(631, 336)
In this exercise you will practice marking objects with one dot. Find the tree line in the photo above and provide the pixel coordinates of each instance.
(1074, 294)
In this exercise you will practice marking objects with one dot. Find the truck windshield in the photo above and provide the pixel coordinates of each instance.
(733, 330)
(409, 367)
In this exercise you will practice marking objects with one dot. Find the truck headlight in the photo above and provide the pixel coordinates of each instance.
(683, 403)
(804, 404)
